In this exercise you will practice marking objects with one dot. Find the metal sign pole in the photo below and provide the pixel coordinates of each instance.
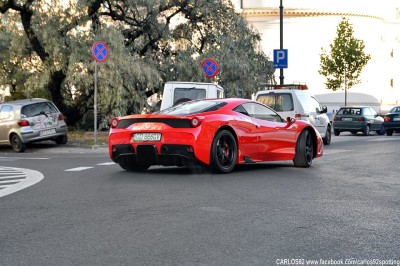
(95, 104)
(100, 54)
(281, 76)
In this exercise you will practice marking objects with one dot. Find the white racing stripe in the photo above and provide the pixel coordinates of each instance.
(17, 179)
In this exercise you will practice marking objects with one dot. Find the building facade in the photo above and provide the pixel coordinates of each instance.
(310, 25)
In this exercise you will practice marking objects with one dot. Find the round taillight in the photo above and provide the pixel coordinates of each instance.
(114, 122)
(387, 119)
(195, 122)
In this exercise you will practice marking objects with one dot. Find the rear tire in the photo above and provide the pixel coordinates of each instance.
(304, 150)
(130, 164)
(336, 132)
(17, 144)
(61, 140)
(366, 131)
(381, 131)
(328, 136)
(224, 152)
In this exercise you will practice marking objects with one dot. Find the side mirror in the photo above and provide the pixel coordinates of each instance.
(290, 120)
(324, 109)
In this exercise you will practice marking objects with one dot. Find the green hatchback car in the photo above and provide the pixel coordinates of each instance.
(31, 120)
(356, 119)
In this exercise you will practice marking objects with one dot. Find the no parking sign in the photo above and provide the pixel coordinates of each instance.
(210, 67)
(100, 51)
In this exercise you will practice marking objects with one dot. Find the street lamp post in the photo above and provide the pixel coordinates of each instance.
(281, 77)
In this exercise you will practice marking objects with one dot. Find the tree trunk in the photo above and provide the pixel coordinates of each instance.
(71, 113)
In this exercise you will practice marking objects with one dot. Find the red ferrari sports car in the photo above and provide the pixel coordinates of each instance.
(217, 133)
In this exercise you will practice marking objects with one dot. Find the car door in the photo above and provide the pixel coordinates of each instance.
(275, 139)
(248, 133)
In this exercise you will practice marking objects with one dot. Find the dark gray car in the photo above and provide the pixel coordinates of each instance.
(31, 120)
(357, 119)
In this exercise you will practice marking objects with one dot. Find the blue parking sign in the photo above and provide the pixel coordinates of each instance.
(280, 58)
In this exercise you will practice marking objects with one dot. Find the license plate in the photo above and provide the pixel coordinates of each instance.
(396, 119)
(147, 137)
(347, 119)
(47, 132)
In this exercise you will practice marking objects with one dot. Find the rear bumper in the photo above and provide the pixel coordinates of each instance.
(166, 155)
(392, 126)
(344, 126)
(33, 136)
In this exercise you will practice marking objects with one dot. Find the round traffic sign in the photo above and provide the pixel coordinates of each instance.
(100, 51)
(210, 67)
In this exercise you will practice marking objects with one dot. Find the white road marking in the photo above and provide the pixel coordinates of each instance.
(334, 151)
(78, 169)
(109, 163)
(384, 139)
(23, 158)
(18, 179)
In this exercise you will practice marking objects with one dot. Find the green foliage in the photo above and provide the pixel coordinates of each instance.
(47, 51)
(343, 66)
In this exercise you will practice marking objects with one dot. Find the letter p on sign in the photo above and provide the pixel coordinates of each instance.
(280, 58)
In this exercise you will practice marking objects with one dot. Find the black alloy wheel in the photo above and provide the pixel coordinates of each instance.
(224, 152)
(304, 150)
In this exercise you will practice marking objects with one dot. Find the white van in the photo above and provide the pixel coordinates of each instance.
(176, 92)
(296, 101)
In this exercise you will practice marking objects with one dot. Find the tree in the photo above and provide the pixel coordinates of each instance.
(44, 37)
(48, 50)
(343, 66)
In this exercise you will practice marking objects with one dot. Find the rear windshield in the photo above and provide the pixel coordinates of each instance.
(280, 102)
(349, 111)
(38, 109)
(395, 110)
(194, 107)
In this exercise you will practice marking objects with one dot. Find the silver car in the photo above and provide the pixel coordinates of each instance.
(31, 120)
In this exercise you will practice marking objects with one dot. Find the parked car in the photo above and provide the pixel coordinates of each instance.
(30, 120)
(297, 101)
(357, 119)
(217, 133)
(392, 121)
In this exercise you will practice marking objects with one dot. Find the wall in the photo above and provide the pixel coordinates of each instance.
(310, 25)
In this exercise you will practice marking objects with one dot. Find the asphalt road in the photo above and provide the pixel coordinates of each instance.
(85, 210)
